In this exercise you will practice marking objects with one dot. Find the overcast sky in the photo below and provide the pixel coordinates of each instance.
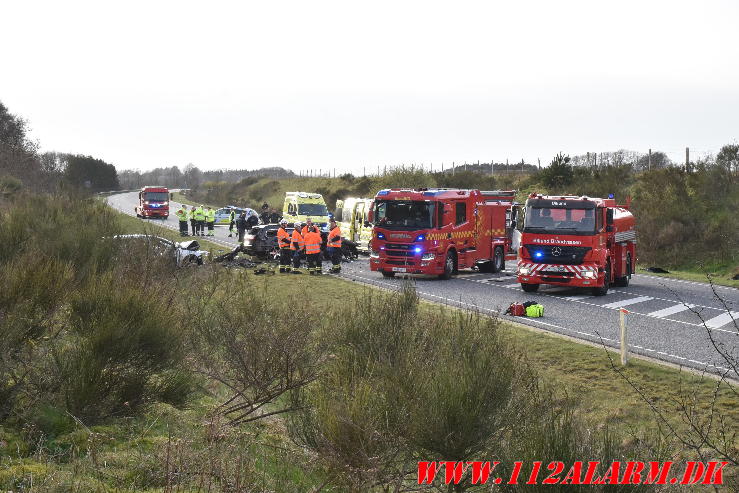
(317, 84)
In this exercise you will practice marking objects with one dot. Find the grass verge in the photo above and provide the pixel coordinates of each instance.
(720, 274)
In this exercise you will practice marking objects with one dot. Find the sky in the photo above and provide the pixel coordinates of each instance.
(346, 85)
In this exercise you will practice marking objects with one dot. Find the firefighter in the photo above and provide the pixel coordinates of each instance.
(283, 243)
(193, 221)
(312, 240)
(182, 217)
(297, 245)
(210, 220)
(333, 244)
(200, 220)
(231, 222)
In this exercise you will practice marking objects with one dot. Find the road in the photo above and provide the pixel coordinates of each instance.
(665, 321)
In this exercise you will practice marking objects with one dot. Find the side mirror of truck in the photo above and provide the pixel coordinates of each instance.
(609, 217)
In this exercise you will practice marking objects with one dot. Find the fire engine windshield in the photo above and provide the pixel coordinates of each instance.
(156, 196)
(312, 210)
(569, 221)
(404, 214)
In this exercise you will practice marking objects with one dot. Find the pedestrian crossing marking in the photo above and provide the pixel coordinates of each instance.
(721, 320)
(578, 297)
(632, 301)
(671, 310)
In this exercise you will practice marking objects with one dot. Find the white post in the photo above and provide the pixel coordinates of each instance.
(624, 341)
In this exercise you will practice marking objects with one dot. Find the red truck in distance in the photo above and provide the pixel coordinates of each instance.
(153, 202)
(576, 241)
(439, 231)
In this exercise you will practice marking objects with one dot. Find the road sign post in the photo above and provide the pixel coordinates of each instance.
(624, 341)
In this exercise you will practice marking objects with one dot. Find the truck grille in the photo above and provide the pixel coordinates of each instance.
(566, 255)
(399, 262)
(399, 249)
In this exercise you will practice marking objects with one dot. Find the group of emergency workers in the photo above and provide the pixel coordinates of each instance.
(200, 218)
(305, 238)
(307, 241)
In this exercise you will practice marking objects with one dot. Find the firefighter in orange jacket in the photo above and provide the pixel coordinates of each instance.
(283, 243)
(297, 245)
(333, 245)
(312, 239)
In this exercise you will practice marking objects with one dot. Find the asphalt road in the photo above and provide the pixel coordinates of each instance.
(668, 319)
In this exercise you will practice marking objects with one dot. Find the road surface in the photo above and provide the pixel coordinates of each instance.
(668, 319)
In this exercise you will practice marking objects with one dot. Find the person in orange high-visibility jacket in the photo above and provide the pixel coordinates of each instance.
(283, 243)
(312, 240)
(297, 245)
(334, 246)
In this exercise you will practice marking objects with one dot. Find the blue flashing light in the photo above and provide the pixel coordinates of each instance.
(417, 249)
(429, 194)
(380, 236)
(383, 192)
(538, 254)
(610, 195)
(420, 237)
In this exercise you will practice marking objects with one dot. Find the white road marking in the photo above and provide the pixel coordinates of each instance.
(723, 319)
(632, 301)
(577, 297)
(671, 310)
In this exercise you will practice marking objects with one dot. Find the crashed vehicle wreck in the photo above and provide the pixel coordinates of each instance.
(183, 253)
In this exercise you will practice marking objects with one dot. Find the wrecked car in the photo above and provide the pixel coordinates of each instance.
(183, 253)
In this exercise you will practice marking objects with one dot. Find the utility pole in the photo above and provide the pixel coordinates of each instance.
(687, 159)
(539, 161)
(649, 161)
(453, 167)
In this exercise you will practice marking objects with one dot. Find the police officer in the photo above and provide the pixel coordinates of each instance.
(210, 220)
(193, 221)
(200, 220)
(182, 217)
(297, 245)
(333, 245)
(231, 222)
(283, 243)
(312, 240)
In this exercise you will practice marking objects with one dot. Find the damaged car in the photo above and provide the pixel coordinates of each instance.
(183, 253)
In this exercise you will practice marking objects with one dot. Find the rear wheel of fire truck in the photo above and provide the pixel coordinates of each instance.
(498, 260)
(603, 290)
(624, 281)
(450, 265)
(529, 288)
(387, 274)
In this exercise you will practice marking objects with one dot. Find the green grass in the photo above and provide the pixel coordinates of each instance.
(720, 274)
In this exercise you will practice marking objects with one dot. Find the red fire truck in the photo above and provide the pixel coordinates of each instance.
(576, 241)
(153, 202)
(438, 231)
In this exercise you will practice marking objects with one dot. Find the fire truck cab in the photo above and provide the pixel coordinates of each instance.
(438, 231)
(576, 241)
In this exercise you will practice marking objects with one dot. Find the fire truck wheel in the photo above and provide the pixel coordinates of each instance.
(603, 290)
(624, 281)
(387, 274)
(498, 260)
(529, 288)
(450, 266)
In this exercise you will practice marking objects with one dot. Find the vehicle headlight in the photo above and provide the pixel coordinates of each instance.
(375, 254)
(524, 271)
(589, 274)
(428, 256)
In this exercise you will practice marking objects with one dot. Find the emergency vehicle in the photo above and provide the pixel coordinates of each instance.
(300, 206)
(438, 231)
(576, 241)
(153, 202)
(352, 216)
